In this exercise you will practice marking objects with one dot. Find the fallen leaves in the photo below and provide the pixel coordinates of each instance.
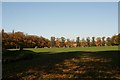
(77, 67)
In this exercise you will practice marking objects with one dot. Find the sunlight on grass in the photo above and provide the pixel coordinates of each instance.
(91, 49)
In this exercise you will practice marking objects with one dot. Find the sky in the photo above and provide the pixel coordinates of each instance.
(119, 17)
(67, 19)
(59, 0)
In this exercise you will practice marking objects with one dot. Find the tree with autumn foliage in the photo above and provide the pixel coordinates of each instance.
(98, 41)
(20, 40)
(108, 41)
(114, 40)
(83, 42)
(119, 39)
(68, 43)
(58, 42)
(103, 41)
(62, 42)
(88, 41)
(93, 41)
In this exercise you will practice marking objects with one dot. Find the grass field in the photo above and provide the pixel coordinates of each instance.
(90, 49)
(59, 63)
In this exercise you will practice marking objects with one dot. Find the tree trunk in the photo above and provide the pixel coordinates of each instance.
(21, 48)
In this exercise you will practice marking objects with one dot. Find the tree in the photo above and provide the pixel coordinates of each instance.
(88, 41)
(73, 43)
(78, 41)
(93, 41)
(98, 42)
(114, 40)
(62, 42)
(2, 31)
(5, 40)
(52, 41)
(108, 41)
(13, 32)
(47, 43)
(68, 43)
(103, 41)
(58, 42)
(20, 40)
(119, 39)
(83, 43)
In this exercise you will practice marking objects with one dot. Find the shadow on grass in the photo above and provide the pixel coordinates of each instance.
(77, 64)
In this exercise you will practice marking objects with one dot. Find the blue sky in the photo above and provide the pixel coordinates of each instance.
(67, 19)
(59, 0)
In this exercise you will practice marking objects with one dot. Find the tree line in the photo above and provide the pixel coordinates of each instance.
(21, 40)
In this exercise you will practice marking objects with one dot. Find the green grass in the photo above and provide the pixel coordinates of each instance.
(90, 49)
